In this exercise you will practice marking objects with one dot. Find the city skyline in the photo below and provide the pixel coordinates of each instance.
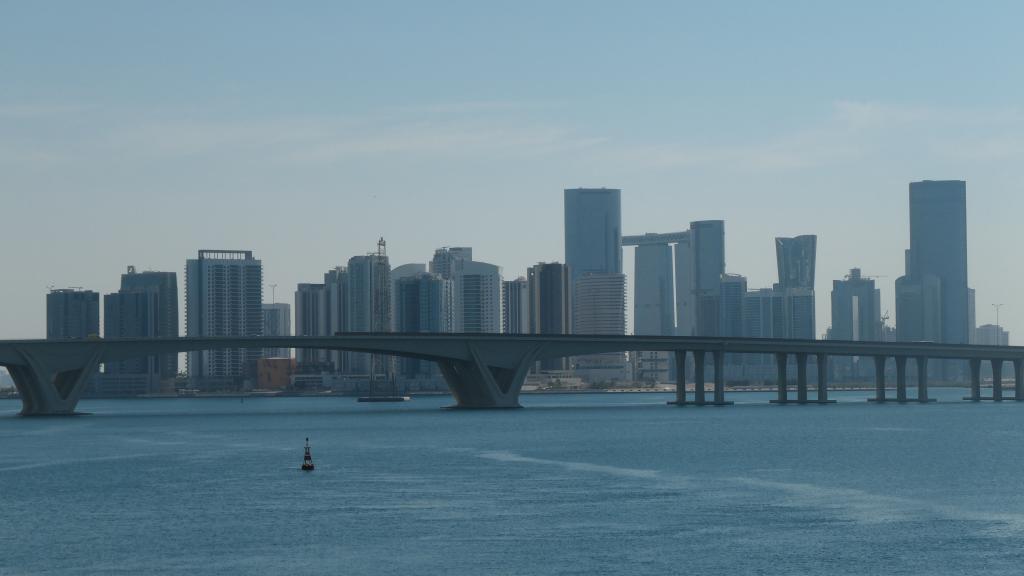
(822, 325)
(747, 135)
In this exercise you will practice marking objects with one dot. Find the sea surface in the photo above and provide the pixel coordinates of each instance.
(572, 484)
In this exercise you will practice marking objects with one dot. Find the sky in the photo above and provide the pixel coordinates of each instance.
(137, 133)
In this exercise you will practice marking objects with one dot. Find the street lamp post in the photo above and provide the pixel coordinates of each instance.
(998, 328)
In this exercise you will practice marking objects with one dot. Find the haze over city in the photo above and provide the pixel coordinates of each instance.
(306, 135)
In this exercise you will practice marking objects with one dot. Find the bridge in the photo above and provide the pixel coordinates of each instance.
(488, 370)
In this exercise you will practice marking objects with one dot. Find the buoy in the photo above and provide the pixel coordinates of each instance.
(307, 460)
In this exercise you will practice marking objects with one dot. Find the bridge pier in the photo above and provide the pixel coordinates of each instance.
(823, 379)
(47, 390)
(997, 380)
(481, 384)
(801, 378)
(1018, 380)
(975, 365)
(698, 377)
(782, 395)
(718, 357)
(922, 379)
(680, 378)
(901, 379)
(880, 379)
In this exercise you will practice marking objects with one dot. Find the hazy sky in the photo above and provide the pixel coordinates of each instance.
(139, 132)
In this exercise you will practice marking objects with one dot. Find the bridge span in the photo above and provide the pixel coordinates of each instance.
(488, 370)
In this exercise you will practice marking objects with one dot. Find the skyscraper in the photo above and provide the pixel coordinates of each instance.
(422, 304)
(732, 291)
(936, 262)
(796, 262)
(146, 306)
(856, 309)
(856, 316)
(72, 313)
(336, 285)
(550, 304)
(477, 297)
(223, 297)
(443, 262)
(707, 244)
(596, 303)
(593, 231)
(277, 321)
(398, 273)
(311, 319)
(653, 301)
(515, 306)
(368, 307)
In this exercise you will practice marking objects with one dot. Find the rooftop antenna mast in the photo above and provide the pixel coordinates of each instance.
(382, 247)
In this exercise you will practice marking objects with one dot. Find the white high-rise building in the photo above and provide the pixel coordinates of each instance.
(477, 298)
(223, 297)
(368, 307)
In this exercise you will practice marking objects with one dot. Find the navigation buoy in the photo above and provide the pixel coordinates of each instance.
(307, 460)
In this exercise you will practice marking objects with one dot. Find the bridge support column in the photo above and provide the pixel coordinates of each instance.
(781, 359)
(1018, 380)
(801, 378)
(975, 365)
(880, 378)
(822, 378)
(997, 380)
(478, 383)
(48, 391)
(680, 378)
(901, 379)
(698, 377)
(719, 359)
(922, 379)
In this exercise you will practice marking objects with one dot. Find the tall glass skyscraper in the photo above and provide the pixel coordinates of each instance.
(937, 258)
(593, 231)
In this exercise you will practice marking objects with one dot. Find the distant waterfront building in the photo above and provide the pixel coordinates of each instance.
(653, 299)
(72, 313)
(856, 316)
(515, 306)
(277, 321)
(656, 288)
(336, 285)
(732, 291)
(932, 301)
(597, 304)
(550, 304)
(593, 231)
(398, 273)
(992, 335)
(368, 307)
(796, 263)
(707, 244)
(856, 309)
(146, 306)
(422, 304)
(477, 297)
(758, 317)
(444, 260)
(550, 299)
(223, 297)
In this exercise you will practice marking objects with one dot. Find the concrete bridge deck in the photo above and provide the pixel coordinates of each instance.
(488, 370)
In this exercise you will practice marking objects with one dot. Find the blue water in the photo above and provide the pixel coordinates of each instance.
(574, 484)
